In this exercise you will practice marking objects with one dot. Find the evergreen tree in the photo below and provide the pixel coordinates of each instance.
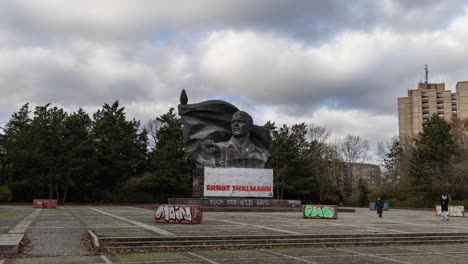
(47, 135)
(392, 164)
(294, 173)
(80, 155)
(169, 172)
(430, 166)
(363, 192)
(120, 147)
(17, 162)
(170, 160)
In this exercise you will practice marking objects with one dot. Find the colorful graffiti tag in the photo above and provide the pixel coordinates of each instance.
(178, 214)
(44, 203)
(385, 206)
(453, 211)
(319, 211)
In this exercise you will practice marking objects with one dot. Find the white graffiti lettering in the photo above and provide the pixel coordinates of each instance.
(231, 202)
(262, 202)
(246, 202)
(217, 202)
(172, 213)
(294, 202)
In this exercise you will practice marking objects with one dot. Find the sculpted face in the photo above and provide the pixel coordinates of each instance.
(241, 124)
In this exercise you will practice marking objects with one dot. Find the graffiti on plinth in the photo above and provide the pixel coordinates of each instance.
(452, 210)
(319, 211)
(178, 214)
(44, 203)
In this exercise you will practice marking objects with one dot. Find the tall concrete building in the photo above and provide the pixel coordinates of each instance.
(428, 99)
(462, 100)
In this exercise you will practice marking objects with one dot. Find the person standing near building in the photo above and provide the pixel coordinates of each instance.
(379, 205)
(444, 200)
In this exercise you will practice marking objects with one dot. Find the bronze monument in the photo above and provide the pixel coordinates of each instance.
(217, 134)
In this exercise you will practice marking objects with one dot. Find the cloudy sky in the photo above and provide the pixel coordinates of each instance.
(336, 63)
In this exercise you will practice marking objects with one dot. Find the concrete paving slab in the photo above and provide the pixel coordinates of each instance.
(55, 232)
(381, 250)
(57, 260)
(430, 259)
(310, 252)
(226, 254)
(162, 256)
(10, 215)
(355, 260)
(21, 227)
(153, 228)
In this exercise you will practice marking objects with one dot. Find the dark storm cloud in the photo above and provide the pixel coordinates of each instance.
(136, 20)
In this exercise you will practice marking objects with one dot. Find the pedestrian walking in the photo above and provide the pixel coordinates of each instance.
(444, 200)
(379, 205)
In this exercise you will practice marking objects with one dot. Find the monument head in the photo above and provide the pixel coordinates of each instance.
(241, 124)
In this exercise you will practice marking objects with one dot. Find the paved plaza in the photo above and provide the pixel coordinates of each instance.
(55, 235)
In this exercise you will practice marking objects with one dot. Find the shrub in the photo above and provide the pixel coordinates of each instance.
(5, 194)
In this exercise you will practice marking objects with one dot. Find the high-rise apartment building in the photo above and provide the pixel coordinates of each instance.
(462, 100)
(428, 99)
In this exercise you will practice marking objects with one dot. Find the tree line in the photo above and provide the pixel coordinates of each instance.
(418, 170)
(104, 157)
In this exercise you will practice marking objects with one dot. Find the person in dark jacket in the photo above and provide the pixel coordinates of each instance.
(379, 205)
(444, 200)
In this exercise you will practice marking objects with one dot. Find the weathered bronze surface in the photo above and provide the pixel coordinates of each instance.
(217, 134)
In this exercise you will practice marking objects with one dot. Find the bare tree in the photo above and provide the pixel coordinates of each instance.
(153, 127)
(354, 151)
(318, 133)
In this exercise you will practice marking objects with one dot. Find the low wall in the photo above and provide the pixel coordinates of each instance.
(235, 202)
(178, 214)
(455, 210)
